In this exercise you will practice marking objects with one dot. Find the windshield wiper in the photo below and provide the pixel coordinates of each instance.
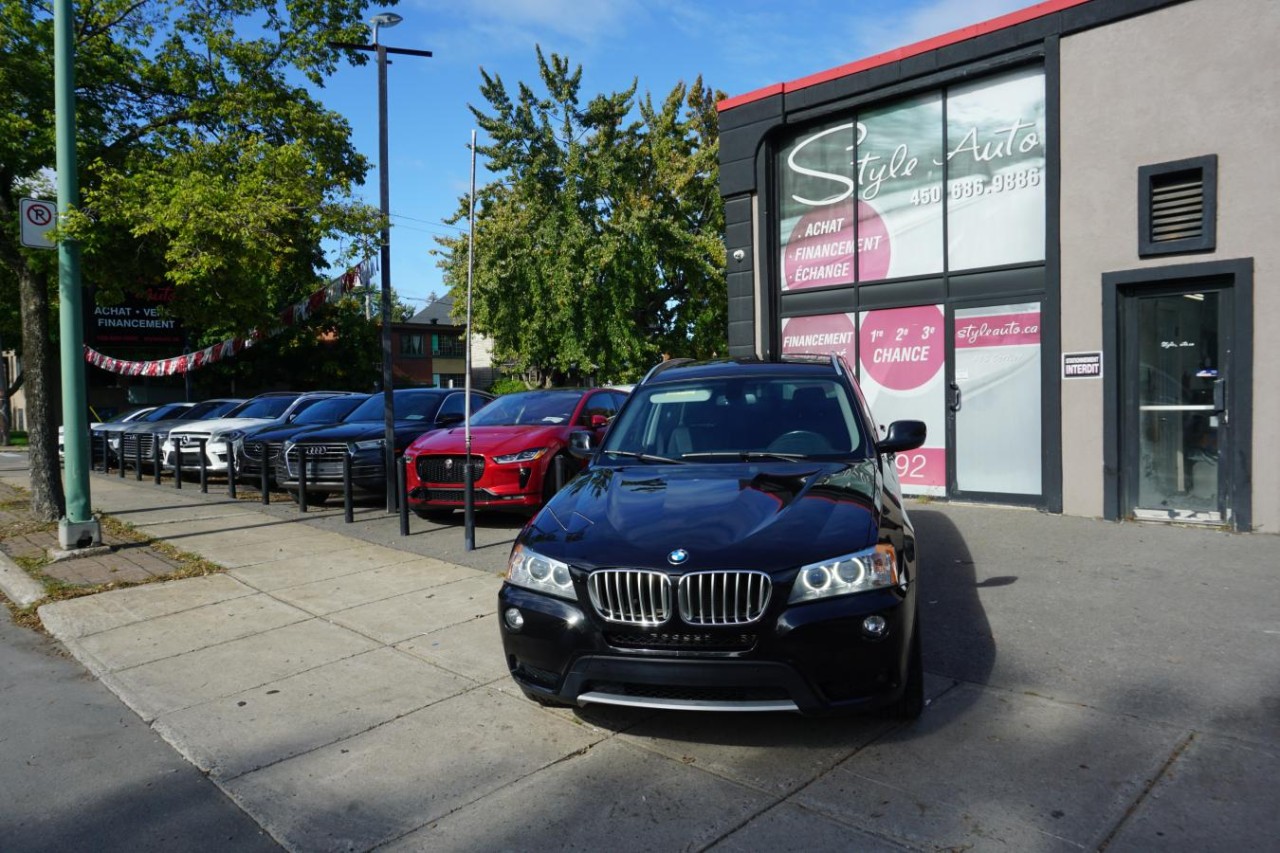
(646, 457)
(744, 455)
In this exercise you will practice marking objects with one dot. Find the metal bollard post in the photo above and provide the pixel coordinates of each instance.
(137, 458)
(231, 473)
(177, 466)
(302, 481)
(121, 459)
(266, 479)
(348, 503)
(204, 465)
(402, 486)
(155, 459)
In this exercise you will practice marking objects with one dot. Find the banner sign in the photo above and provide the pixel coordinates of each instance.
(212, 354)
(136, 321)
(862, 198)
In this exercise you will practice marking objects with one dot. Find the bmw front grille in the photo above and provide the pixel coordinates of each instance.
(640, 597)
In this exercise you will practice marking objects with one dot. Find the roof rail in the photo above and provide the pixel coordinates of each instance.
(835, 360)
(663, 365)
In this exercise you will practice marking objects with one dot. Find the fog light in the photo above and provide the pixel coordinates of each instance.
(873, 628)
(515, 620)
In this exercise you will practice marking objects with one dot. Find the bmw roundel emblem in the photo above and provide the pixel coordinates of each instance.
(678, 557)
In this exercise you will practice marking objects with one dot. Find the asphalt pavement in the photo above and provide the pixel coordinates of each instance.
(1091, 686)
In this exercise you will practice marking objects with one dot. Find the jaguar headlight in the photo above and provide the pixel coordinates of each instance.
(523, 456)
(531, 570)
(863, 571)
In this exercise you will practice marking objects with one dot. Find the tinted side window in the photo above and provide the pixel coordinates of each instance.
(602, 403)
(454, 404)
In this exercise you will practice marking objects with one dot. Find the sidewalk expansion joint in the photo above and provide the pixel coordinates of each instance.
(1180, 748)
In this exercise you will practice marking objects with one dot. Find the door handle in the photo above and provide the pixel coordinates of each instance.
(1219, 396)
(955, 397)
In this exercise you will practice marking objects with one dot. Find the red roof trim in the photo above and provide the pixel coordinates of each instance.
(1020, 16)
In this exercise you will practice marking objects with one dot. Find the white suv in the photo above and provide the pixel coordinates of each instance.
(186, 438)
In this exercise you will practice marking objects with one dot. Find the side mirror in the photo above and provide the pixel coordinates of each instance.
(450, 419)
(598, 421)
(582, 444)
(903, 435)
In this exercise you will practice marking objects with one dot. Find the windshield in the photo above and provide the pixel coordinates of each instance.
(408, 407)
(172, 410)
(545, 408)
(209, 409)
(329, 411)
(732, 418)
(264, 407)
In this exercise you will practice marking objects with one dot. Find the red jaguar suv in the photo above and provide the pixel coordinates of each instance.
(517, 443)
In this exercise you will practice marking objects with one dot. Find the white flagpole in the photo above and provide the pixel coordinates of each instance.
(469, 537)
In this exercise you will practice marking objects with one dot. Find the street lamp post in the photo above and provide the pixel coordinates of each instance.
(385, 19)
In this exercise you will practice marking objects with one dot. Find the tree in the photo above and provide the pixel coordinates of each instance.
(203, 166)
(598, 248)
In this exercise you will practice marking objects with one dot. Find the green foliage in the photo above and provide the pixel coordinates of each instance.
(598, 247)
(508, 385)
(202, 165)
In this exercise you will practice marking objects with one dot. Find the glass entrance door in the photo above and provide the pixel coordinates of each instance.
(994, 403)
(1175, 402)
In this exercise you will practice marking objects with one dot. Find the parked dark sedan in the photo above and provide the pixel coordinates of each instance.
(738, 543)
(270, 438)
(361, 436)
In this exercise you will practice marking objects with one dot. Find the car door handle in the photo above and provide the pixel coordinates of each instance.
(955, 397)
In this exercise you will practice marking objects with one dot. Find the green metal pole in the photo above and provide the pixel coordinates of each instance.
(78, 528)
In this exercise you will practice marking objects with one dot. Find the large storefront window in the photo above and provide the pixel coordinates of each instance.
(995, 171)
(899, 196)
(892, 157)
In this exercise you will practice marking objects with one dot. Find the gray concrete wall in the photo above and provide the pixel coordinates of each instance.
(1193, 79)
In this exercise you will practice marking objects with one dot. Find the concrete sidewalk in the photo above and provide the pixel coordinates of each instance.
(1091, 686)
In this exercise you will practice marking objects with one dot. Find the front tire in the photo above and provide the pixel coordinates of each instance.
(911, 704)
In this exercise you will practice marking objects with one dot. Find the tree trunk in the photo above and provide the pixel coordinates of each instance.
(47, 499)
(4, 398)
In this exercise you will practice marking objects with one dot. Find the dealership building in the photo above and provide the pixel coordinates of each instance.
(1048, 236)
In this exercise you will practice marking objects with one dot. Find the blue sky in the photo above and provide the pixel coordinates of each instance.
(736, 46)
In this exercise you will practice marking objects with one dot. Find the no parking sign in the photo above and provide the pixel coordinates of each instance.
(38, 217)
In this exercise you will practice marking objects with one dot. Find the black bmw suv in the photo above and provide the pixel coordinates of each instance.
(738, 542)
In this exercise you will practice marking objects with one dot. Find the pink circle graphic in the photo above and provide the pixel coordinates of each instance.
(902, 348)
(820, 250)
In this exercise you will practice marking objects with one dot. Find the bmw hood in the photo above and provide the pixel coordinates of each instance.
(764, 516)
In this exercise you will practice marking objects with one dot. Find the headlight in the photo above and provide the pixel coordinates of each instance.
(531, 570)
(523, 456)
(874, 568)
(229, 435)
(371, 444)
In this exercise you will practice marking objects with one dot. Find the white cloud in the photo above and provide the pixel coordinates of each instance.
(929, 20)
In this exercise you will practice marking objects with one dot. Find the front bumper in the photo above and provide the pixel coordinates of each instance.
(324, 472)
(812, 657)
(215, 455)
(509, 486)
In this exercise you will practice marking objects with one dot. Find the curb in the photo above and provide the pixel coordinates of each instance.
(17, 585)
